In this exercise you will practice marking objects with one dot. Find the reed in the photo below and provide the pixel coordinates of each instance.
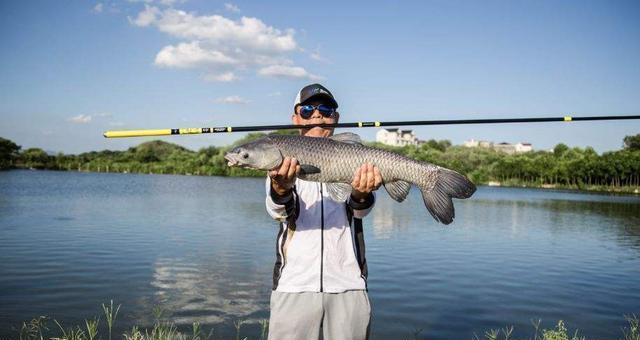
(38, 329)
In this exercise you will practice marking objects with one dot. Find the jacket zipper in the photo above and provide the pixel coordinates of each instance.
(321, 236)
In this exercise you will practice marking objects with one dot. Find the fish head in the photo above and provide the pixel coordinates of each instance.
(259, 154)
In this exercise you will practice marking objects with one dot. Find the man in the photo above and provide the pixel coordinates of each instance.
(319, 279)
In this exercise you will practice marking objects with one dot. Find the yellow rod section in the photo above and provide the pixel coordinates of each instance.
(137, 133)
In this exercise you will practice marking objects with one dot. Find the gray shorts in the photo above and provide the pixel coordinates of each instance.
(302, 315)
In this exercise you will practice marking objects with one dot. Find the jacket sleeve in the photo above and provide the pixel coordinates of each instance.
(362, 209)
(281, 208)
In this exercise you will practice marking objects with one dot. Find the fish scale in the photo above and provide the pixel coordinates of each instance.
(334, 160)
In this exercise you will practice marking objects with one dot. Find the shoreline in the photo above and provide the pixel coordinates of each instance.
(621, 191)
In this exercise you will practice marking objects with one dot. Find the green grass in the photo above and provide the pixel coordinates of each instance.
(560, 332)
(41, 328)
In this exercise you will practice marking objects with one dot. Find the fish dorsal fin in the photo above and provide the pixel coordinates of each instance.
(398, 190)
(347, 137)
(339, 192)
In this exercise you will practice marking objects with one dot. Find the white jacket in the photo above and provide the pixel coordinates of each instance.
(319, 248)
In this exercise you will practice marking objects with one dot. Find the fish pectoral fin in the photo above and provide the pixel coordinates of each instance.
(339, 192)
(398, 190)
(307, 169)
(347, 137)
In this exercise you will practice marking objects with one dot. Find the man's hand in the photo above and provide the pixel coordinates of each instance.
(365, 180)
(283, 178)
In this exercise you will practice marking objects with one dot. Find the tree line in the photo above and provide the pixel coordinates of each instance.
(564, 167)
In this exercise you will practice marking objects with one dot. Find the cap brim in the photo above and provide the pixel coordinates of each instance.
(330, 99)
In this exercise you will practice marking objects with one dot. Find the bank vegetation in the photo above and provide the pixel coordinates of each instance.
(563, 167)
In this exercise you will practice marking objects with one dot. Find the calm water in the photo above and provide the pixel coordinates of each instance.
(204, 247)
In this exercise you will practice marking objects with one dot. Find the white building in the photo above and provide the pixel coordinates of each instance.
(509, 148)
(472, 143)
(396, 137)
(523, 147)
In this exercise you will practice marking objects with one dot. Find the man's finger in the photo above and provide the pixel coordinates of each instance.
(363, 176)
(292, 168)
(356, 178)
(371, 178)
(284, 168)
(378, 177)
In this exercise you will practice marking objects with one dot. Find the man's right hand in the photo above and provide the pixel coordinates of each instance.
(283, 178)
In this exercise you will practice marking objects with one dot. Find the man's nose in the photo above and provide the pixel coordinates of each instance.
(316, 114)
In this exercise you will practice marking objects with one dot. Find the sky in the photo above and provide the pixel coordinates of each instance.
(71, 70)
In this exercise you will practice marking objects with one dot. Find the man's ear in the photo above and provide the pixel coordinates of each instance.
(337, 114)
(294, 116)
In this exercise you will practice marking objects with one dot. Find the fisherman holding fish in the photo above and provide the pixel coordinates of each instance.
(319, 279)
(320, 186)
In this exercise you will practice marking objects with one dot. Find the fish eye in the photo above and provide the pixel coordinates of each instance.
(245, 155)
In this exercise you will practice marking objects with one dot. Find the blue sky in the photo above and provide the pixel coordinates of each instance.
(71, 70)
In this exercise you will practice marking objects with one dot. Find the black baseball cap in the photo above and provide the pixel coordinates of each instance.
(313, 91)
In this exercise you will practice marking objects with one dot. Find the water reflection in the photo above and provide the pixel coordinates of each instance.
(197, 292)
(388, 217)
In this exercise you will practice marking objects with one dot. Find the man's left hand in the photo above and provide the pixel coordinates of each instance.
(366, 179)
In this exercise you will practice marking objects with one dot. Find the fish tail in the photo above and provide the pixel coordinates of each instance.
(438, 199)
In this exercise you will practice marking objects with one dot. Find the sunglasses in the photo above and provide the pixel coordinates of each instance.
(325, 110)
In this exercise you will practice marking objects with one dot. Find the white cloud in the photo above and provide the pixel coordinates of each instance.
(250, 33)
(162, 2)
(283, 71)
(231, 8)
(80, 119)
(224, 77)
(191, 55)
(146, 17)
(275, 94)
(223, 47)
(98, 8)
(232, 100)
(171, 2)
(116, 123)
(317, 57)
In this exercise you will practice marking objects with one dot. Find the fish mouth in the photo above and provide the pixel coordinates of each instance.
(231, 159)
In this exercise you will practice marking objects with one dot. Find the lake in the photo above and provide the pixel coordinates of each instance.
(203, 248)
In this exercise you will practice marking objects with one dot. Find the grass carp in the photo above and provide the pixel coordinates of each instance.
(334, 161)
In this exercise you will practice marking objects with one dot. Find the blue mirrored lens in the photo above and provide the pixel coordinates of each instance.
(307, 110)
(325, 110)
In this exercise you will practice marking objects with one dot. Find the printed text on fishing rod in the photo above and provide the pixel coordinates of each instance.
(221, 129)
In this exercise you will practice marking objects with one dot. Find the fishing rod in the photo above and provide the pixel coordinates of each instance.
(222, 129)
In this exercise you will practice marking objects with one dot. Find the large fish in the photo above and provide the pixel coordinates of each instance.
(334, 161)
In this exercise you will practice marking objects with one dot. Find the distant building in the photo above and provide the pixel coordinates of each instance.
(505, 147)
(524, 147)
(396, 137)
(472, 143)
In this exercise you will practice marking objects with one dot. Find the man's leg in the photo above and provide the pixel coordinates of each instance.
(346, 316)
(295, 316)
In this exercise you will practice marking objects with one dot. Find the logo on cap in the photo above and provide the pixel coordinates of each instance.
(319, 90)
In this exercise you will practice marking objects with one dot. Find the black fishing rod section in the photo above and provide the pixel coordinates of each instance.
(227, 129)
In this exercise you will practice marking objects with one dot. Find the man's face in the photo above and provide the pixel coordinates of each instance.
(316, 118)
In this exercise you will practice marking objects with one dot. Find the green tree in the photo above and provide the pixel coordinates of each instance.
(35, 158)
(560, 149)
(9, 152)
(632, 142)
